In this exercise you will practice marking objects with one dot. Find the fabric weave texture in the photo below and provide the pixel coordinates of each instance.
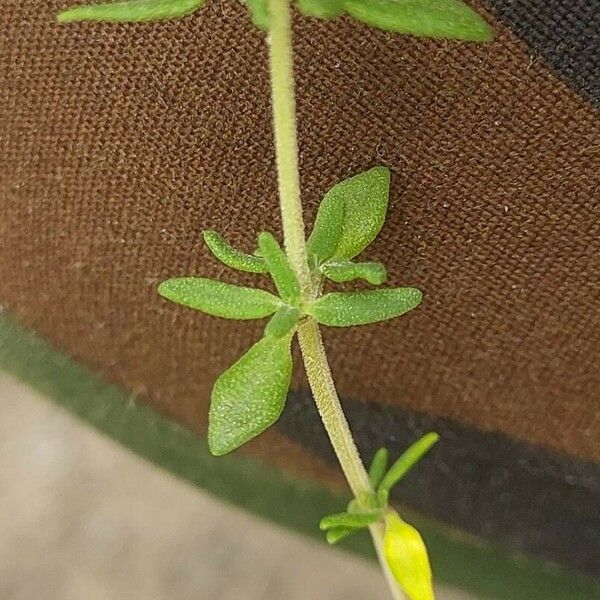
(120, 144)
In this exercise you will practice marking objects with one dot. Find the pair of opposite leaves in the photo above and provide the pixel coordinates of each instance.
(250, 396)
(449, 19)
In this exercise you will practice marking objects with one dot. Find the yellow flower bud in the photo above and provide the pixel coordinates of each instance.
(407, 557)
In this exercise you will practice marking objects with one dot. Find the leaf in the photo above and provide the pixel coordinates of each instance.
(283, 321)
(283, 276)
(133, 11)
(337, 534)
(408, 460)
(450, 19)
(219, 299)
(349, 520)
(321, 9)
(342, 271)
(407, 558)
(232, 257)
(378, 466)
(365, 197)
(249, 397)
(343, 309)
(327, 230)
(259, 13)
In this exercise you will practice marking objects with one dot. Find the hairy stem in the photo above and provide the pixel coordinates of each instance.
(313, 351)
(330, 409)
(332, 415)
(286, 143)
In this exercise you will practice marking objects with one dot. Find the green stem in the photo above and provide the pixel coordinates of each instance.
(330, 409)
(286, 143)
(336, 425)
(309, 336)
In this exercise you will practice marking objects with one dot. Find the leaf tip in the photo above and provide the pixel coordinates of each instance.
(264, 237)
(416, 296)
(208, 235)
(382, 174)
(165, 288)
(383, 171)
(65, 16)
(378, 275)
(431, 438)
(484, 33)
(216, 447)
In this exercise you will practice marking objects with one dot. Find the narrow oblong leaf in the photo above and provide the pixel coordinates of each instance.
(406, 555)
(349, 520)
(449, 19)
(343, 309)
(277, 263)
(132, 11)
(327, 229)
(378, 466)
(342, 271)
(283, 321)
(232, 257)
(337, 534)
(365, 199)
(249, 397)
(408, 460)
(219, 299)
(321, 9)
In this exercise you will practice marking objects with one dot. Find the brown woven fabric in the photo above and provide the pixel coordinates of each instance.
(119, 144)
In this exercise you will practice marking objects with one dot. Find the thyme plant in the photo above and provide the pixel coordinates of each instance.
(250, 395)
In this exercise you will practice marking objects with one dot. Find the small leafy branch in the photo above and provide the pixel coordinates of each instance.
(250, 396)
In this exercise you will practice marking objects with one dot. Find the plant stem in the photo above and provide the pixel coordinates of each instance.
(286, 144)
(330, 409)
(334, 419)
(309, 336)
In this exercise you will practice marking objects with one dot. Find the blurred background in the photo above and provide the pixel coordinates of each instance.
(81, 517)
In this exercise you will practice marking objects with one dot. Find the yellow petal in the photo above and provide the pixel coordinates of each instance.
(407, 558)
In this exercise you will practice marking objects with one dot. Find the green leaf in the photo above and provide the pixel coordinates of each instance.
(133, 11)
(349, 520)
(408, 460)
(283, 321)
(450, 19)
(365, 197)
(343, 271)
(249, 397)
(407, 558)
(259, 13)
(327, 230)
(219, 299)
(337, 534)
(232, 257)
(343, 309)
(321, 9)
(378, 466)
(283, 276)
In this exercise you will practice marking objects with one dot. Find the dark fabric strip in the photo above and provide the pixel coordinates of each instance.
(485, 483)
(566, 33)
